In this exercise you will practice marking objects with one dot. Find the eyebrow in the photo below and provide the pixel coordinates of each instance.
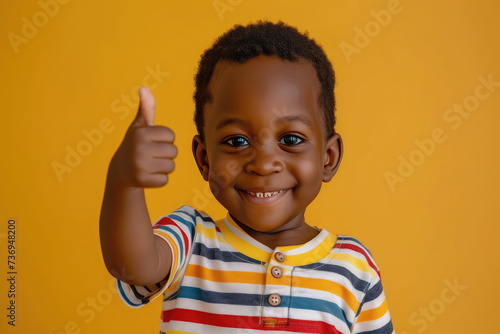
(294, 118)
(291, 118)
(230, 121)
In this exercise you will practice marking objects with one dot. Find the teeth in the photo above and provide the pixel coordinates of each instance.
(266, 194)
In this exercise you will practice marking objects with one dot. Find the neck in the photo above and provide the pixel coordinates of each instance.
(296, 235)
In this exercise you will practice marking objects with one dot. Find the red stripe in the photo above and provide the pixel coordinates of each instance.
(164, 221)
(362, 251)
(167, 221)
(234, 321)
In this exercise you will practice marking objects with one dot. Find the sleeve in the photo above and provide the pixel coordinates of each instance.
(178, 229)
(373, 314)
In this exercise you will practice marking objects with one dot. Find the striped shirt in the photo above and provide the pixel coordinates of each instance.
(224, 281)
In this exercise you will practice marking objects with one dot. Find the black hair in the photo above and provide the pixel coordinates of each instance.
(242, 43)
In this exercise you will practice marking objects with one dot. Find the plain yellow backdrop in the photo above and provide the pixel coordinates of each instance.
(418, 182)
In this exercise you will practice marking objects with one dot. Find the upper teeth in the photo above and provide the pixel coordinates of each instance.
(267, 194)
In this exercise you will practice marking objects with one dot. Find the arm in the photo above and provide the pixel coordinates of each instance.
(131, 251)
(373, 314)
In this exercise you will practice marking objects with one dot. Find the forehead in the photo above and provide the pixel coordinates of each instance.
(263, 83)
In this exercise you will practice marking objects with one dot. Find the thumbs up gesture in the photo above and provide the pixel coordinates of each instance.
(145, 156)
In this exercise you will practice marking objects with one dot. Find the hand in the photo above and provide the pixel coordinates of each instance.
(145, 157)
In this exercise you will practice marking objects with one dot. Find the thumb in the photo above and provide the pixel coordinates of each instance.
(147, 107)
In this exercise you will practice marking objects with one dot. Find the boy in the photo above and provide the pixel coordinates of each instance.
(266, 143)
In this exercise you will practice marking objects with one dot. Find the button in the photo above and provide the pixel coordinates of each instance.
(279, 257)
(274, 299)
(276, 272)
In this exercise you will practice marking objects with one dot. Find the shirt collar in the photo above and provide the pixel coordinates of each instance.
(310, 252)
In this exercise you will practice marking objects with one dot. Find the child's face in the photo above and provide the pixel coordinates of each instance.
(266, 153)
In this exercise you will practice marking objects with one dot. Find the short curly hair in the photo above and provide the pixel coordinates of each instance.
(242, 43)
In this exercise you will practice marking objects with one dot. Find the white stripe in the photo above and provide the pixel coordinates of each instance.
(309, 245)
(372, 304)
(206, 329)
(247, 238)
(242, 310)
(227, 266)
(371, 325)
(359, 244)
(282, 290)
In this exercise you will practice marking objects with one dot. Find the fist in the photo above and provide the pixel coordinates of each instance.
(145, 157)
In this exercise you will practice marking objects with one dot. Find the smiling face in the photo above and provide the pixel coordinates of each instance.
(265, 152)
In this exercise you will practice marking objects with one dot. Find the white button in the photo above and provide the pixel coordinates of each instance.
(280, 257)
(276, 272)
(274, 299)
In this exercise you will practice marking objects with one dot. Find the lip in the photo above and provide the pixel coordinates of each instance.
(262, 196)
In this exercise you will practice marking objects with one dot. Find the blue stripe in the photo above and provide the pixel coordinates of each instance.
(317, 305)
(190, 224)
(219, 297)
(125, 297)
(357, 283)
(180, 241)
(301, 303)
(370, 295)
(224, 256)
(374, 292)
(193, 213)
(386, 329)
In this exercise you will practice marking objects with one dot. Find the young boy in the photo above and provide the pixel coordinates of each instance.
(266, 143)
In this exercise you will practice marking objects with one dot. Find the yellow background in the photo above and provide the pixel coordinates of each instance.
(440, 225)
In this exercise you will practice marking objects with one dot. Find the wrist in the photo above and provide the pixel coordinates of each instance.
(117, 183)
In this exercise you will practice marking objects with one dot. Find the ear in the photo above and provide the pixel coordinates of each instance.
(200, 156)
(333, 155)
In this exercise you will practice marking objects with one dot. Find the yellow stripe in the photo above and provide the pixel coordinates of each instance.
(172, 287)
(373, 314)
(321, 285)
(175, 261)
(244, 277)
(358, 263)
(240, 244)
(175, 255)
(312, 256)
(247, 248)
(209, 233)
(289, 248)
(224, 276)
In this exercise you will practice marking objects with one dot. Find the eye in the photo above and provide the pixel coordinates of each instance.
(290, 140)
(236, 141)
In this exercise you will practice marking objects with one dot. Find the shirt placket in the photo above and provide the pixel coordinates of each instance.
(277, 291)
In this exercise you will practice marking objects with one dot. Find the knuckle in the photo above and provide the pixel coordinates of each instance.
(141, 134)
(170, 166)
(168, 133)
(174, 150)
(160, 180)
(172, 134)
(141, 160)
(141, 179)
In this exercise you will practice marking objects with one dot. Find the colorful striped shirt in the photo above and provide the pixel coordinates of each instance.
(224, 281)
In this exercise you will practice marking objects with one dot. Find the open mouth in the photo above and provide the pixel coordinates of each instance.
(261, 196)
(264, 194)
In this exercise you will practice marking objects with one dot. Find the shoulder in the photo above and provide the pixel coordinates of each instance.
(186, 216)
(354, 247)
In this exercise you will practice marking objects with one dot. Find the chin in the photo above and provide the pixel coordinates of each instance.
(266, 224)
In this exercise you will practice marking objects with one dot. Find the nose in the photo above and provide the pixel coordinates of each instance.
(264, 160)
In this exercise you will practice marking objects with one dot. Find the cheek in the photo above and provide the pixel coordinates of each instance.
(223, 171)
(309, 168)
(309, 173)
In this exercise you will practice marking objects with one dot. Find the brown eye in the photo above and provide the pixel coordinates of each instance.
(236, 142)
(290, 140)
